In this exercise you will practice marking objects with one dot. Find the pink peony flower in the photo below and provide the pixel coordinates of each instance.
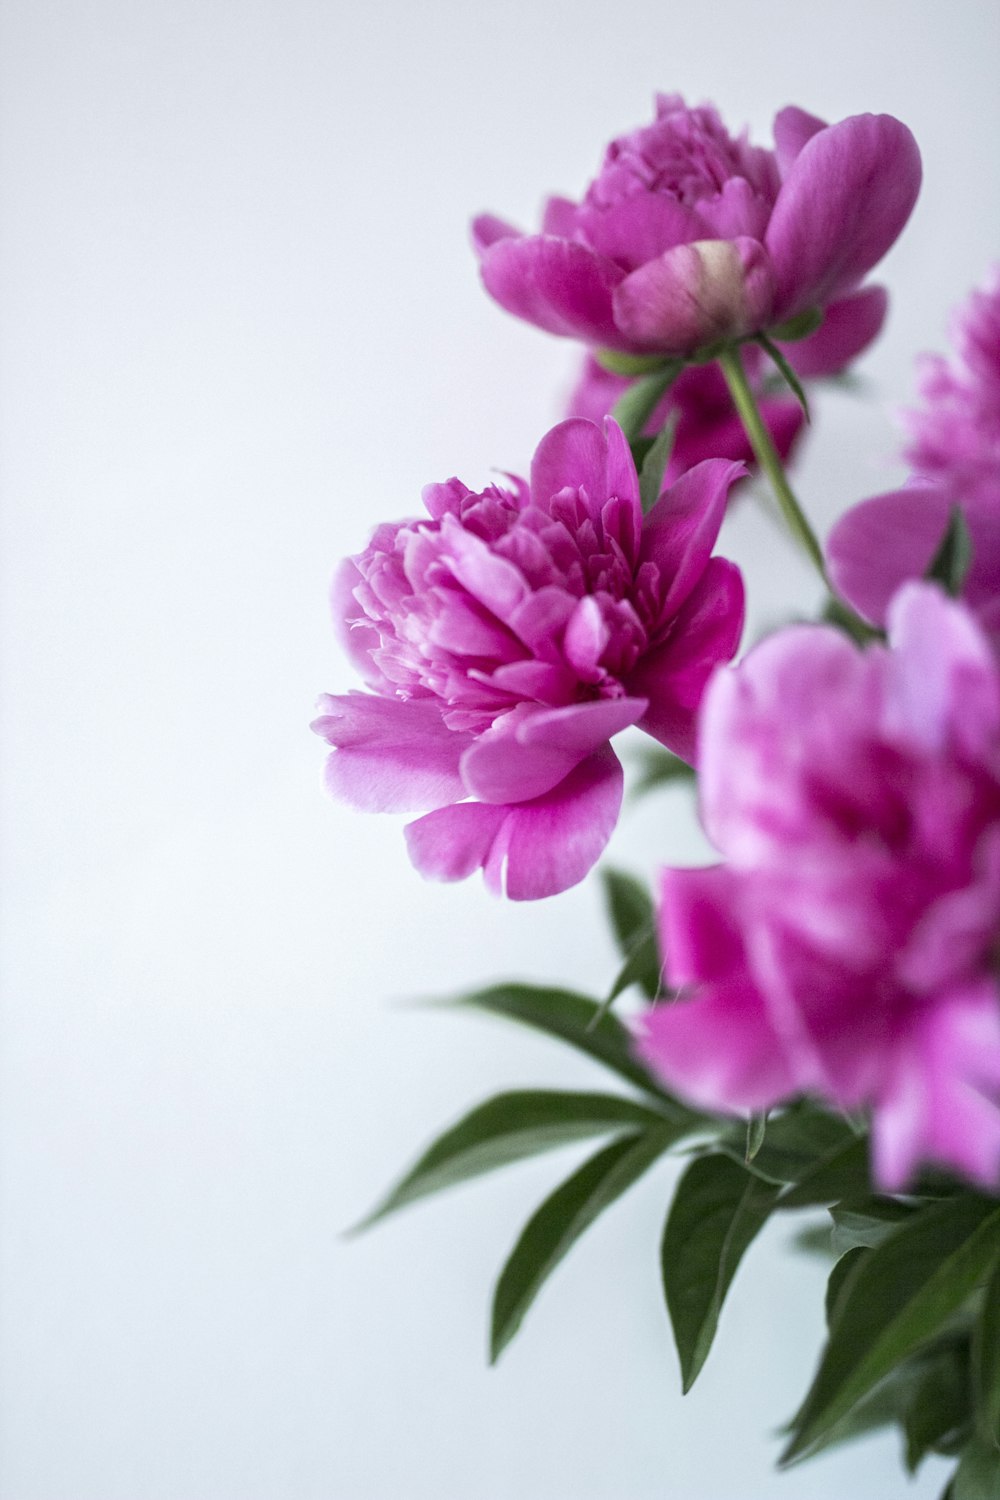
(508, 636)
(708, 425)
(689, 237)
(848, 945)
(955, 451)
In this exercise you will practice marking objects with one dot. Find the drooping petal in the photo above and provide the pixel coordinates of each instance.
(793, 127)
(696, 294)
(705, 633)
(846, 198)
(530, 751)
(557, 285)
(559, 217)
(682, 527)
(390, 756)
(530, 850)
(848, 327)
(579, 454)
(720, 1050)
(881, 542)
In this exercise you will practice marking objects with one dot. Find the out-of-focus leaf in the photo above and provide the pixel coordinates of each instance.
(841, 1174)
(717, 1210)
(953, 558)
(654, 464)
(895, 1297)
(756, 1129)
(629, 907)
(507, 1129)
(835, 1284)
(978, 1474)
(575, 1019)
(659, 768)
(796, 1141)
(633, 409)
(986, 1362)
(786, 371)
(867, 1221)
(561, 1220)
(938, 1411)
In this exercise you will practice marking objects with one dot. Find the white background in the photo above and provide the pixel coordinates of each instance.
(241, 324)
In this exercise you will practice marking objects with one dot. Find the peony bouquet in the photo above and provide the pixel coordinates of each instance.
(818, 1031)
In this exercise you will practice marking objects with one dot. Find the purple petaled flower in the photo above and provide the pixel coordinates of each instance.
(955, 451)
(707, 426)
(848, 945)
(508, 636)
(689, 237)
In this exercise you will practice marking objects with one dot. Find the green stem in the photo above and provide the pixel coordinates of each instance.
(767, 455)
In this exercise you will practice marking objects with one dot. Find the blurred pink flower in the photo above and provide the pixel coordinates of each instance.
(848, 945)
(689, 236)
(955, 451)
(508, 636)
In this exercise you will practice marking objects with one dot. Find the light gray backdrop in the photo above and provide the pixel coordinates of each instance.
(241, 324)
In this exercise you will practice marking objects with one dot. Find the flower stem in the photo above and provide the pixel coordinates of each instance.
(767, 455)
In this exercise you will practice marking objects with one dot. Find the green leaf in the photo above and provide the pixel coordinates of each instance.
(937, 1411)
(867, 1221)
(642, 967)
(953, 558)
(799, 1138)
(560, 1221)
(633, 410)
(836, 612)
(986, 1362)
(786, 371)
(660, 768)
(978, 1474)
(616, 362)
(799, 327)
(835, 1284)
(717, 1210)
(841, 1174)
(509, 1128)
(654, 463)
(629, 907)
(756, 1129)
(575, 1019)
(897, 1295)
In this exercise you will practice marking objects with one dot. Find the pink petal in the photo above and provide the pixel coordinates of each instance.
(530, 850)
(848, 327)
(639, 228)
(943, 682)
(883, 541)
(720, 1050)
(487, 229)
(737, 210)
(696, 294)
(559, 217)
(531, 750)
(939, 1098)
(577, 454)
(845, 200)
(705, 633)
(358, 636)
(699, 935)
(390, 756)
(681, 529)
(555, 284)
(793, 127)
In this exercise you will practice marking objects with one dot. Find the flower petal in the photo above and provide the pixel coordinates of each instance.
(533, 849)
(487, 229)
(555, 284)
(531, 750)
(639, 228)
(577, 454)
(793, 127)
(699, 936)
(390, 756)
(846, 198)
(705, 634)
(720, 1050)
(696, 294)
(848, 327)
(881, 542)
(682, 527)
